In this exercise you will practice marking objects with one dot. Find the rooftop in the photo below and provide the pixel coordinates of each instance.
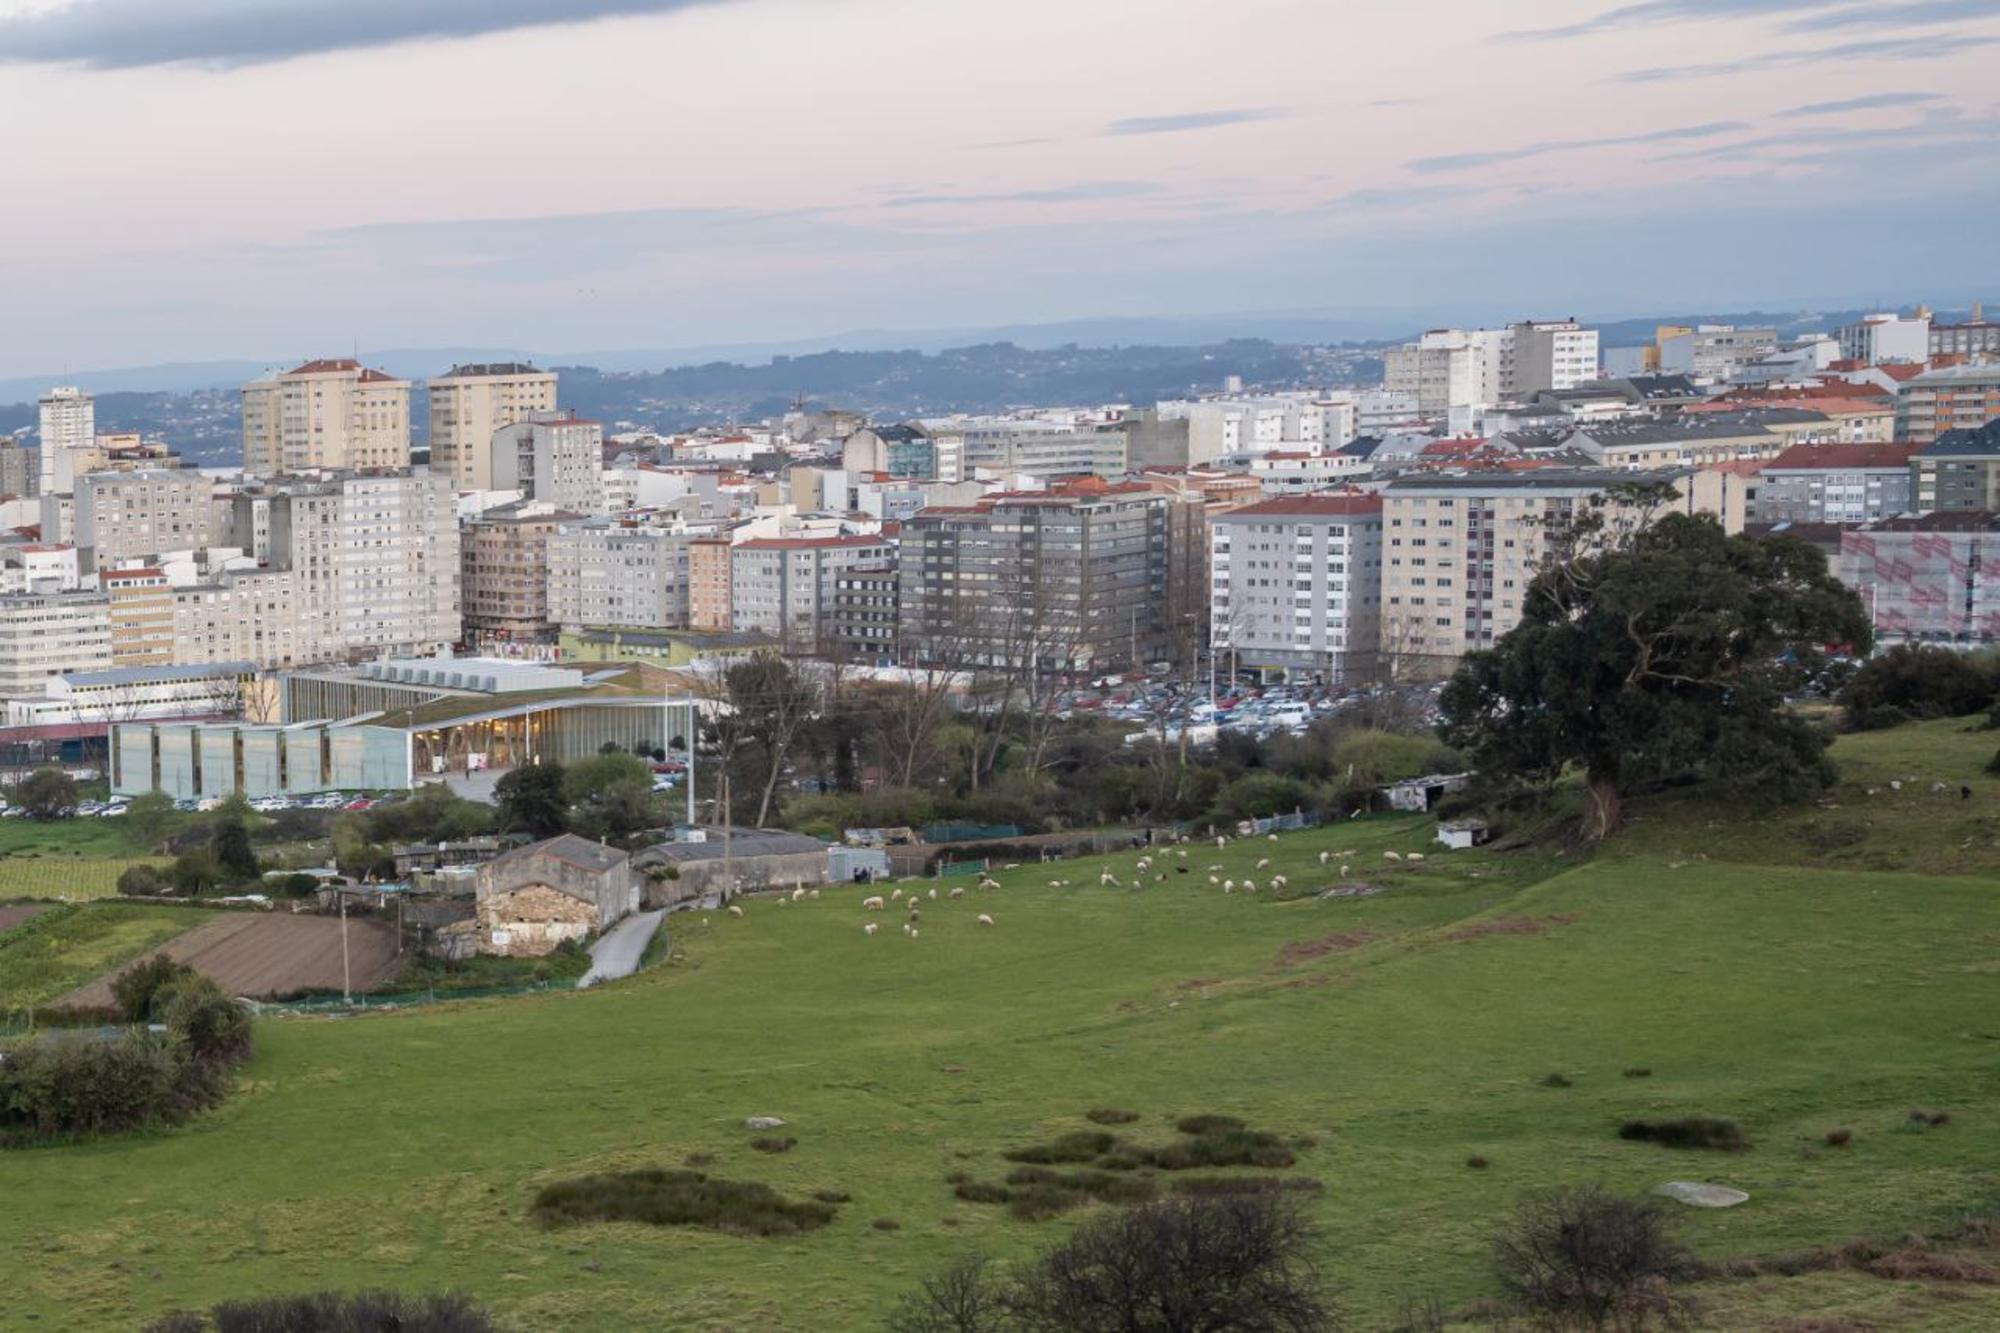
(569, 848)
(1805, 457)
(1327, 504)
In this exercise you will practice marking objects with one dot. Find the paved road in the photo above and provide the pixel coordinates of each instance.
(617, 953)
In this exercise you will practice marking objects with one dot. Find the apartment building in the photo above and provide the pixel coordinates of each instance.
(1975, 338)
(47, 635)
(863, 623)
(332, 413)
(1062, 579)
(142, 615)
(1703, 439)
(125, 516)
(902, 451)
(1926, 577)
(1836, 483)
(470, 403)
(709, 560)
(1213, 428)
(1288, 471)
(1540, 355)
(1296, 585)
(1450, 369)
(504, 590)
(39, 567)
(20, 469)
(1946, 399)
(1877, 339)
(1040, 448)
(1459, 551)
(1713, 351)
(68, 422)
(246, 616)
(552, 457)
(606, 573)
(784, 586)
(1960, 470)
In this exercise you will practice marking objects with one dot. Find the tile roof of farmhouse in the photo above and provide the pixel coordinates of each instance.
(572, 850)
(742, 844)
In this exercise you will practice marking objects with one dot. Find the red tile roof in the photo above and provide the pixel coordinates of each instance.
(1326, 503)
(1895, 454)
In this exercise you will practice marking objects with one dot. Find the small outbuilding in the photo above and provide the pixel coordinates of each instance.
(714, 867)
(531, 900)
(1417, 795)
(1463, 833)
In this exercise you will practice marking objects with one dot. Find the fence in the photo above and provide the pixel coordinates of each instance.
(947, 869)
(334, 1004)
(969, 832)
(1276, 823)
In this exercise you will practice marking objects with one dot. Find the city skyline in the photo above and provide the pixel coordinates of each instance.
(660, 173)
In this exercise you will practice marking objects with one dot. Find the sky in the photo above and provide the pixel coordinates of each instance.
(272, 179)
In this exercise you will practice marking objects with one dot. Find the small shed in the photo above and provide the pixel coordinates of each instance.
(1417, 795)
(719, 867)
(856, 865)
(536, 898)
(1463, 833)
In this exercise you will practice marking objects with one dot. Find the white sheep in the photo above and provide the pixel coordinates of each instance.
(895, 895)
(1344, 870)
(956, 894)
(1055, 883)
(932, 895)
(812, 893)
(1249, 886)
(1221, 840)
(874, 904)
(1182, 853)
(1160, 878)
(1392, 856)
(906, 927)
(1323, 856)
(783, 901)
(913, 932)
(1414, 856)
(1263, 863)
(1229, 886)
(735, 911)
(1218, 866)
(868, 929)
(798, 894)
(1272, 836)
(985, 920)
(1215, 879)
(988, 883)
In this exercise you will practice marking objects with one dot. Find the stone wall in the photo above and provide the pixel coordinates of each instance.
(531, 921)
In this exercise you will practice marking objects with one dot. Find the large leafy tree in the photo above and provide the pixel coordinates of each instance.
(1661, 654)
(533, 800)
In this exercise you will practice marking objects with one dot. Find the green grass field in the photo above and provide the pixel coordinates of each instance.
(1794, 985)
(50, 957)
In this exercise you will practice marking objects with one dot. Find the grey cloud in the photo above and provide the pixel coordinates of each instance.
(1821, 141)
(1386, 198)
(122, 34)
(1467, 161)
(1871, 102)
(1807, 15)
(1888, 48)
(1194, 120)
(1060, 194)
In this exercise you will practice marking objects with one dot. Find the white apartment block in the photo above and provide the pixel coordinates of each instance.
(126, 516)
(1223, 426)
(68, 423)
(470, 403)
(245, 616)
(1289, 471)
(44, 636)
(1715, 351)
(39, 567)
(784, 586)
(1543, 355)
(1037, 448)
(604, 573)
(1879, 339)
(325, 414)
(1449, 369)
(1296, 585)
(551, 458)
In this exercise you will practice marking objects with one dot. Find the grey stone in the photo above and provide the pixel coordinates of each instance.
(1696, 1195)
(763, 1122)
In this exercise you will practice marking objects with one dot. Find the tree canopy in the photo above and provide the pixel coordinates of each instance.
(532, 800)
(1664, 656)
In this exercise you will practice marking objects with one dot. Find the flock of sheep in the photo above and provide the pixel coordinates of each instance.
(1144, 870)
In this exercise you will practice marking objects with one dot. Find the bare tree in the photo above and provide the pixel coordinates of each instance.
(1584, 1258)
(964, 1298)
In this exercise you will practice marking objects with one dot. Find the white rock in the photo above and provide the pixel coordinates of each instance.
(762, 1122)
(1696, 1195)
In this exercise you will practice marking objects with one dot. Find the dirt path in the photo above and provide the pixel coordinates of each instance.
(263, 956)
(14, 914)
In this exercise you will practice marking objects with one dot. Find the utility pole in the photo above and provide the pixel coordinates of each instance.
(346, 978)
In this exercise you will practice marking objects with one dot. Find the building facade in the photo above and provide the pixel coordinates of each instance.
(142, 615)
(470, 403)
(504, 590)
(68, 422)
(1879, 339)
(608, 573)
(45, 636)
(1296, 585)
(1929, 577)
(333, 413)
(1542, 355)
(126, 516)
(1946, 399)
(863, 624)
(554, 458)
(784, 586)
(1958, 471)
(709, 560)
(1836, 483)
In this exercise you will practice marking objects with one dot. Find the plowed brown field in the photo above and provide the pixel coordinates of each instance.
(262, 956)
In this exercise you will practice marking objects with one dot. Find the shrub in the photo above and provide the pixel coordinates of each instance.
(1207, 1124)
(678, 1198)
(142, 881)
(1688, 1132)
(234, 856)
(1210, 1186)
(206, 1025)
(831, 1196)
(961, 1299)
(1082, 1146)
(1912, 681)
(1104, 1115)
(1585, 1258)
(1556, 1081)
(1928, 1119)
(1477, 1163)
(331, 1312)
(886, 1224)
(46, 793)
(1839, 1138)
(140, 989)
(1638, 1071)
(1240, 1147)
(773, 1144)
(66, 1088)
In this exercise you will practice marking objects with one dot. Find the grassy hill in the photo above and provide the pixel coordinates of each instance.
(1758, 966)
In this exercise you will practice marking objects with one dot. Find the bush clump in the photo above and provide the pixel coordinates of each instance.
(1106, 1115)
(1557, 1080)
(678, 1199)
(1839, 1138)
(1713, 1132)
(1915, 681)
(1207, 1124)
(332, 1312)
(771, 1143)
(1083, 1146)
(140, 989)
(1585, 1258)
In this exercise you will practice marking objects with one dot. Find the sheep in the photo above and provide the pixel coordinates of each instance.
(1272, 836)
(1221, 840)
(1011, 865)
(1279, 881)
(1263, 863)
(1344, 870)
(783, 901)
(906, 927)
(932, 895)
(985, 920)
(798, 894)
(1249, 886)
(813, 894)
(915, 915)
(735, 911)
(874, 904)
(1055, 883)
(1229, 886)
(1392, 856)
(1218, 866)
(956, 894)
(986, 882)
(868, 929)
(913, 932)
(1414, 856)
(1182, 853)
(895, 895)
(1160, 878)
(1215, 879)
(1323, 856)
